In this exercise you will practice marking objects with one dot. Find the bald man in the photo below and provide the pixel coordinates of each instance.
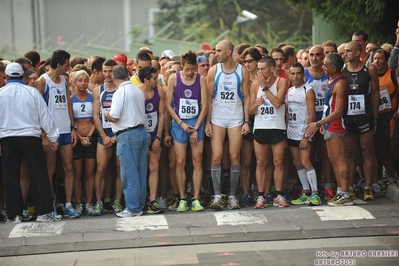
(317, 79)
(228, 85)
(361, 117)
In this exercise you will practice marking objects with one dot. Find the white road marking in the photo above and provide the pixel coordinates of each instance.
(37, 229)
(327, 213)
(239, 218)
(150, 222)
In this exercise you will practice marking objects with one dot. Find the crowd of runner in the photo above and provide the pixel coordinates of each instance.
(233, 127)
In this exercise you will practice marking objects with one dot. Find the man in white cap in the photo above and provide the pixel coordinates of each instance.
(20, 130)
(168, 53)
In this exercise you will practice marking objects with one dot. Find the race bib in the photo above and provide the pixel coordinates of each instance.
(319, 102)
(385, 100)
(106, 122)
(356, 105)
(267, 111)
(325, 108)
(188, 108)
(152, 121)
(59, 99)
(292, 120)
(226, 95)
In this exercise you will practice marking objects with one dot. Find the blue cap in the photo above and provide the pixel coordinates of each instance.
(202, 59)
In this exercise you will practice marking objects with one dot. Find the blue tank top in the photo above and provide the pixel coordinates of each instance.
(319, 87)
(105, 104)
(82, 109)
(187, 99)
(151, 113)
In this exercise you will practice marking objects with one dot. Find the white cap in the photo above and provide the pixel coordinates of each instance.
(167, 53)
(14, 70)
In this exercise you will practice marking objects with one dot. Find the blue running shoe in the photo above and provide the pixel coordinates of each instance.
(269, 199)
(245, 201)
(71, 213)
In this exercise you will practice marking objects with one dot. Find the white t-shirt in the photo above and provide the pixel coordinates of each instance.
(127, 106)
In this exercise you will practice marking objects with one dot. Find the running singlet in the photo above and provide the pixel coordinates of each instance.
(388, 92)
(82, 109)
(105, 104)
(319, 87)
(151, 114)
(268, 116)
(359, 98)
(336, 126)
(187, 99)
(227, 102)
(298, 114)
(56, 97)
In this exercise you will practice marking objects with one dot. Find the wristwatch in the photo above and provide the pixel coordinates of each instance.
(265, 88)
(159, 138)
(74, 127)
(318, 125)
(247, 122)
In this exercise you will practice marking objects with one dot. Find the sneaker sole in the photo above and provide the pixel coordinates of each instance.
(182, 210)
(154, 212)
(338, 205)
(302, 203)
(197, 210)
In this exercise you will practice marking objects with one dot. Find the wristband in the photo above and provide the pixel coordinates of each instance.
(180, 122)
(159, 138)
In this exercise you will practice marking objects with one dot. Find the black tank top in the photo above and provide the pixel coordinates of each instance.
(359, 84)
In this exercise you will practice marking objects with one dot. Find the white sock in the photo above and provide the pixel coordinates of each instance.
(303, 179)
(312, 178)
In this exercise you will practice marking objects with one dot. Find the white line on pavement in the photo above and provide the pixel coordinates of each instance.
(150, 222)
(239, 218)
(327, 213)
(37, 229)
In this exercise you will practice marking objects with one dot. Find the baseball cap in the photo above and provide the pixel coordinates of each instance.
(28, 72)
(168, 53)
(14, 70)
(202, 59)
(120, 58)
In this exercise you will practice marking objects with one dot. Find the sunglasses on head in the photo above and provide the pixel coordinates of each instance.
(249, 61)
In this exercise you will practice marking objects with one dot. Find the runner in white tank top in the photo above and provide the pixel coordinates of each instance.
(268, 116)
(301, 111)
(267, 104)
(228, 86)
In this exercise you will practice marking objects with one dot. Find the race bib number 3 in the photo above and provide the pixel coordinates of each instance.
(188, 108)
(356, 105)
(152, 121)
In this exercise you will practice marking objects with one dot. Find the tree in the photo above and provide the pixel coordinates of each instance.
(378, 18)
(204, 20)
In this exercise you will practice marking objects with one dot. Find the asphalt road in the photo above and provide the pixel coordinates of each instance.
(297, 235)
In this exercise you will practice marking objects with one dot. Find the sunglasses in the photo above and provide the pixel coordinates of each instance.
(249, 61)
